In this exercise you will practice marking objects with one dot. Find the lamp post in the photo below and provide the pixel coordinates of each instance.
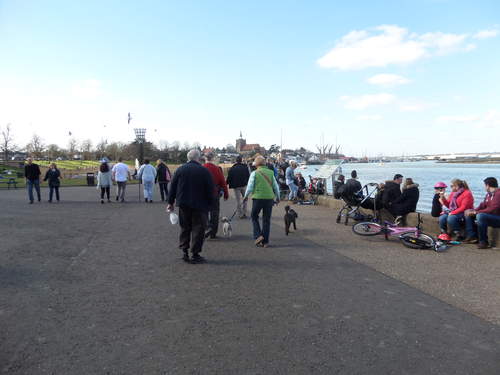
(140, 137)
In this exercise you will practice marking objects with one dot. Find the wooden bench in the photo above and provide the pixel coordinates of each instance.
(9, 181)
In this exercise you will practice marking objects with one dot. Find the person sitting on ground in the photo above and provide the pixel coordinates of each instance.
(353, 186)
(407, 201)
(487, 214)
(454, 207)
(437, 207)
(301, 183)
(338, 187)
(392, 191)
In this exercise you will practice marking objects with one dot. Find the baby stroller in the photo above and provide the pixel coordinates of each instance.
(365, 198)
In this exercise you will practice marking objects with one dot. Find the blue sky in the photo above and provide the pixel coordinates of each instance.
(387, 77)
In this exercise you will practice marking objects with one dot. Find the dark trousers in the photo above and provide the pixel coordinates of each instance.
(30, 184)
(51, 192)
(266, 206)
(105, 190)
(213, 217)
(193, 224)
(163, 190)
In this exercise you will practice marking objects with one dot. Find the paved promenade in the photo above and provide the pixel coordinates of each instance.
(87, 288)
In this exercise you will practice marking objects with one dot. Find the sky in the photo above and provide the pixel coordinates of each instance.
(398, 77)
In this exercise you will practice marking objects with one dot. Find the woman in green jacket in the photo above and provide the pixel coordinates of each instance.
(265, 192)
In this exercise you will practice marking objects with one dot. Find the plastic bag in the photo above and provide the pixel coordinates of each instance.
(174, 218)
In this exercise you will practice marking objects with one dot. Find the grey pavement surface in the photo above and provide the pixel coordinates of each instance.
(87, 288)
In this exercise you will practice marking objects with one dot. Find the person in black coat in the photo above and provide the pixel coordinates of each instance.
(237, 179)
(437, 207)
(392, 191)
(407, 201)
(53, 176)
(353, 186)
(32, 174)
(192, 190)
(163, 177)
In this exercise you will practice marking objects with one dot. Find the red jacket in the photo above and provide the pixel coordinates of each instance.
(464, 202)
(218, 178)
(491, 204)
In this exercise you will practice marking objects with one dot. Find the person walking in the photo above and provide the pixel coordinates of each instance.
(163, 177)
(32, 174)
(104, 180)
(290, 181)
(192, 190)
(265, 192)
(53, 175)
(121, 175)
(220, 189)
(237, 179)
(147, 173)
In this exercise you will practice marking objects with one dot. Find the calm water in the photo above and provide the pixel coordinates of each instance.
(425, 173)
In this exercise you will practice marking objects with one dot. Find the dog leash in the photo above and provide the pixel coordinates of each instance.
(231, 218)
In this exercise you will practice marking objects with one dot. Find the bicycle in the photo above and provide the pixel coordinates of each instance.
(411, 237)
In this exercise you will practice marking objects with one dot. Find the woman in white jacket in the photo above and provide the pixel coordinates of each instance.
(148, 174)
(104, 181)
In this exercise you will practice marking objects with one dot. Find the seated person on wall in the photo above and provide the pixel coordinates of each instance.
(390, 193)
(487, 214)
(407, 201)
(454, 207)
(437, 207)
(353, 186)
(338, 187)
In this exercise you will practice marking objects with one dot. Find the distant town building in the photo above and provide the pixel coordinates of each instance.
(243, 147)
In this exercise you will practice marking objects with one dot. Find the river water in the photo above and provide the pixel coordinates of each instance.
(425, 173)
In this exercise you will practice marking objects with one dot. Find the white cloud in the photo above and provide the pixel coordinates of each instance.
(390, 44)
(488, 120)
(369, 117)
(365, 101)
(485, 34)
(414, 106)
(388, 80)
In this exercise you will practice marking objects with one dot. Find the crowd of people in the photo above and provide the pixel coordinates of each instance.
(458, 219)
(198, 186)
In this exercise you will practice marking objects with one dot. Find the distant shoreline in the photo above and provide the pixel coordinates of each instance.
(470, 161)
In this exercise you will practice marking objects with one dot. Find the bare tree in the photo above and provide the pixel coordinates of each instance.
(87, 149)
(72, 148)
(35, 147)
(53, 151)
(100, 148)
(7, 142)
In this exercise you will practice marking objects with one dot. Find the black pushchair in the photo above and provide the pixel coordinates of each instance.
(353, 201)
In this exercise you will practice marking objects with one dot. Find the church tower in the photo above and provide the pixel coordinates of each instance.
(240, 143)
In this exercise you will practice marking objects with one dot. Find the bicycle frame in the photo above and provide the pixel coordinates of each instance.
(391, 229)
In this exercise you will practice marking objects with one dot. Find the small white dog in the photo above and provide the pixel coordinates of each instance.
(227, 230)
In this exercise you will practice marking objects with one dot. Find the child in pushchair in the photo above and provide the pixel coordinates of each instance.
(355, 200)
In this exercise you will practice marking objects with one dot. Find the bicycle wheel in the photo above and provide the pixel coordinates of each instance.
(367, 229)
(422, 241)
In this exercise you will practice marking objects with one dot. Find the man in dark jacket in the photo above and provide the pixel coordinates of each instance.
(237, 179)
(407, 201)
(32, 174)
(192, 189)
(392, 191)
(352, 186)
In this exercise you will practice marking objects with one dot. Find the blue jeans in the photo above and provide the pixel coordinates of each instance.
(36, 184)
(266, 206)
(452, 222)
(148, 189)
(293, 191)
(483, 222)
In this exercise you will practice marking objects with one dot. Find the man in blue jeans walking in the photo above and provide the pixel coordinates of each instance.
(487, 214)
(32, 174)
